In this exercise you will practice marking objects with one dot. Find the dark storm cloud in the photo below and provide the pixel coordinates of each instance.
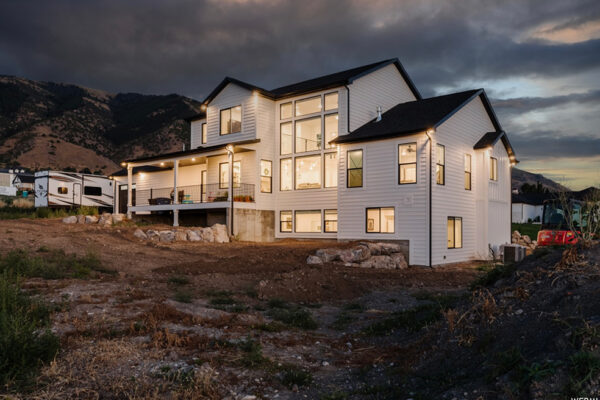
(188, 46)
(542, 144)
(521, 105)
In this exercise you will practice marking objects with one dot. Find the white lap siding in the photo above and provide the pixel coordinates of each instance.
(499, 200)
(196, 133)
(231, 96)
(381, 189)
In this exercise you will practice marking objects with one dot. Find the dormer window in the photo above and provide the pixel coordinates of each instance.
(231, 120)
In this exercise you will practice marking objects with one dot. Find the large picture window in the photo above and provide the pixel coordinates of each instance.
(308, 221)
(308, 172)
(331, 172)
(231, 120)
(331, 101)
(440, 167)
(493, 168)
(285, 110)
(308, 106)
(380, 220)
(266, 176)
(285, 221)
(285, 174)
(224, 174)
(204, 133)
(331, 221)
(308, 134)
(355, 169)
(454, 232)
(331, 129)
(407, 163)
(467, 172)
(286, 145)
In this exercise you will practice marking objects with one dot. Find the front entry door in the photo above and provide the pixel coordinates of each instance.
(123, 198)
(77, 194)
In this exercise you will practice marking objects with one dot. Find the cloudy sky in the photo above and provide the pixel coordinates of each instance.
(538, 60)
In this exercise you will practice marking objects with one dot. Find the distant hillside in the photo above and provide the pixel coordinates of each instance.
(520, 177)
(53, 125)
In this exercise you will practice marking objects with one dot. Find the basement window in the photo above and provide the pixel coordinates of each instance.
(308, 221)
(454, 232)
(380, 220)
(331, 221)
(285, 221)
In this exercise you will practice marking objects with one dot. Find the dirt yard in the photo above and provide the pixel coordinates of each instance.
(238, 320)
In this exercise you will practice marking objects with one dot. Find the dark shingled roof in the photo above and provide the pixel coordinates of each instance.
(411, 117)
(535, 199)
(137, 170)
(200, 115)
(25, 178)
(487, 140)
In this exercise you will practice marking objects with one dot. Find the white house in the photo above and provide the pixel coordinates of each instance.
(529, 207)
(357, 154)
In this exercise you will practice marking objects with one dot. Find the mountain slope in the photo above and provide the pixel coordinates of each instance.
(520, 177)
(52, 125)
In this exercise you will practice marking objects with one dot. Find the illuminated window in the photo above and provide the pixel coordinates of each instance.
(407, 163)
(224, 174)
(331, 220)
(266, 176)
(285, 221)
(440, 167)
(308, 172)
(286, 138)
(63, 190)
(285, 110)
(231, 120)
(331, 172)
(308, 134)
(355, 169)
(285, 174)
(331, 129)
(380, 220)
(308, 221)
(331, 101)
(467, 172)
(454, 232)
(308, 106)
(493, 168)
(204, 133)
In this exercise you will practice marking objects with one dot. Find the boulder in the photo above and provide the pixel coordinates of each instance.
(220, 232)
(526, 239)
(516, 234)
(91, 219)
(206, 235)
(152, 234)
(81, 219)
(390, 248)
(374, 248)
(166, 236)
(328, 255)
(105, 219)
(70, 220)
(314, 260)
(383, 261)
(399, 260)
(140, 234)
(355, 254)
(192, 236)
(181, 236)
(116, 218)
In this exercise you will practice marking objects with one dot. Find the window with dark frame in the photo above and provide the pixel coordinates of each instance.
(493, 169)
(354, 171)
(380, 220)
(454, 232)
(286, 139)
(467, 172)
(331, 220)
(204, 133)
(92, 190)
(440, 167)
(285, 110)
(407, 163)
(231, 120)
(224, 174)
(285, 221)
(266, 176)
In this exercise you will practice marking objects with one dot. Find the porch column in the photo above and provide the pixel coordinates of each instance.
(175, 194)
(129, 190)
(230, 156)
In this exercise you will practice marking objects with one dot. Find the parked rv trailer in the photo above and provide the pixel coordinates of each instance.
(70, 189)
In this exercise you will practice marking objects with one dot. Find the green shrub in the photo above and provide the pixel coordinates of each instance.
(252, 353)
(25, 339)
(291, 375)
(583, 367)
(179, 280)
(296, 317)
(183, 296)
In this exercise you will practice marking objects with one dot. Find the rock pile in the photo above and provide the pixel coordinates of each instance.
(364, 255)
(105, 219)
(523, 240)
(214, 234)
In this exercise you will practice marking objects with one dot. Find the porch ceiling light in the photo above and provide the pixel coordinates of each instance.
(162, 164)
(123, 164)
(430, 131)
(229, 148)
(203, 107)
(193, 159)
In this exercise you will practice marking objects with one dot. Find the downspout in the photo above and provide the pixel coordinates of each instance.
(347, 108)
(428, 133)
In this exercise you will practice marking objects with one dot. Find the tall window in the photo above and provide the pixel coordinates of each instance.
(285, 221)
(493, 168)
(308, 134)
(331, 129)
(331, 220)
(380, 220)
(440, 168)
(355, 169)
(266, 176)
(286, 138)
(467, 172)
(331, 172)
(407, 160)
(285, 172)
(231, 120)
(308, 106)
(331, 101)
(285, 110)
(308, 172)
(204, 133)
(224, 174)
(454, 232)
(308, 221)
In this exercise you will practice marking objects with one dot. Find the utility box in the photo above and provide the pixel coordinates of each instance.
(513, 253)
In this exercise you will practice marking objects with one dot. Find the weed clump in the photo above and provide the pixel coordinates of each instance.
(291, 315)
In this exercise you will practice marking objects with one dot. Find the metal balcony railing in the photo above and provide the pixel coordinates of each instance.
(209, 193)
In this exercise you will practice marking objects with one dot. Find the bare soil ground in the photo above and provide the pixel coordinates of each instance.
(197, 320)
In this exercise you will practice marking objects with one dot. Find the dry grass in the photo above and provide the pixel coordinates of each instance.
(22, 203)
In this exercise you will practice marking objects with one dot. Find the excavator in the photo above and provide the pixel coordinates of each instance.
(556, 230)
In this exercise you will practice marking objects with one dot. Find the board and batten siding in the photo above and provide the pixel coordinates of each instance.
(196, 133)
(499, 197)
(232, 95)
(385, 87)
(381, 189)
(265, 150)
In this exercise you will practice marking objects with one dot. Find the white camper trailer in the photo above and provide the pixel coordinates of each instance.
(70, 189)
